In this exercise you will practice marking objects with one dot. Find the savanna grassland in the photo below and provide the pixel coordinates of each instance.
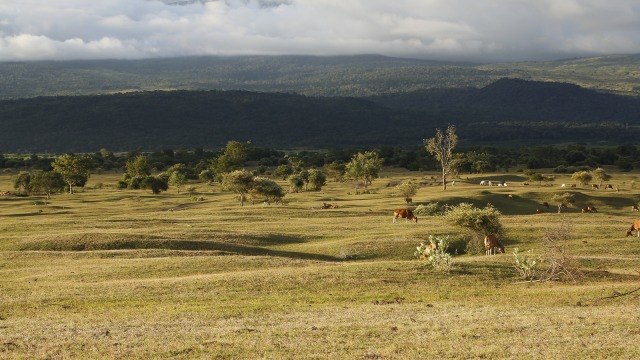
(109, 273)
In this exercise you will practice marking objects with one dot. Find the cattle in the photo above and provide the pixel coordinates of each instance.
(406, 214)
(329, 206)
(573, 185)
(408, 200)
(595, 187)
(563, 185)
(483, 182)
(589, 209)
(635, 226)
(609, 187)
(635, 208)
(491, 243)
(525, 184)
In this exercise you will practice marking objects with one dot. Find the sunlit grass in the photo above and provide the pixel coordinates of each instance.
(109, 273)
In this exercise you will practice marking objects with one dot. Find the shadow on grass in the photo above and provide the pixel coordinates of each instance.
(166, 244)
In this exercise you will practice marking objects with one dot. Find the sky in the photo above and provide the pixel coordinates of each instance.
(456, 30)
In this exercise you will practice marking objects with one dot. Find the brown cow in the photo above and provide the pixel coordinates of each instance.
(635, 208)
(405, 214)
(491, 243)
(595, 187)
(634, 227)
(589, 209)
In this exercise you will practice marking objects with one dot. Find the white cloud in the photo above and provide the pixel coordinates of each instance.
(438, 29)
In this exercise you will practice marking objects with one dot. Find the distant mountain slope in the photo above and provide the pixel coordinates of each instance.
(521, 100)
(357, 76)
(507, 112)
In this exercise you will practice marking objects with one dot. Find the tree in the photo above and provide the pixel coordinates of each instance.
(234, 156)
(407, 189)
(441, 147)
(47, 182)
(295, 183)
(601, 175)
(364, 166)
(177, 175)
(139, 167)
(23, 181)
(317, 179)
(239, 182)
(75, 170)
(155, 183)
(266, 188)
(583, 177)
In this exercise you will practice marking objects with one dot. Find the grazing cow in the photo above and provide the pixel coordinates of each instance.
(525, 184)
(573, 185)
(595, 187)
(408, 200)
(406, 214)
(635, 208)
(483, 182)
(635, 226)
(539, 211)
(491, 243)
(609, 187)
(589, 209)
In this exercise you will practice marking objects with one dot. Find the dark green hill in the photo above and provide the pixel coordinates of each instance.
(356, 76)
(507, 112)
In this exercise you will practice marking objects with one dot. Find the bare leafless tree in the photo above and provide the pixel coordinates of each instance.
(441, 147)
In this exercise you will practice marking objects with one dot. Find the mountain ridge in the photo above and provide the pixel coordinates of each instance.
(208, 119)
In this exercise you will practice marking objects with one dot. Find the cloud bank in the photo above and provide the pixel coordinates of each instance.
(463, 30)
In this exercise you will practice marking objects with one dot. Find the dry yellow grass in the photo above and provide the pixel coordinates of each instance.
(109, 273)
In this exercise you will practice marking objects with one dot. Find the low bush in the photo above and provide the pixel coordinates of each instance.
(435, 253)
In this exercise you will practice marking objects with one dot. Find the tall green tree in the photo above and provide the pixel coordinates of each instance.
(23, 181)
(47, 182)
(177, 175)
(234, 156)
(75, 170)
(139, 167)
(441, 147)
(364, 166)
(601, 175)
(239, 182)
(317, 179)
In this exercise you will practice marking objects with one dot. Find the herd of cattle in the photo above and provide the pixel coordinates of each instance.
(492, 244)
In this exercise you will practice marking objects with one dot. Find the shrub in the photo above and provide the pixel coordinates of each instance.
(480, 221)
(429, 209)
(435, 253)
(527, 265)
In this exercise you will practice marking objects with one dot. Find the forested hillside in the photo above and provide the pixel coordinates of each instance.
(508, 112)
(365, 75)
